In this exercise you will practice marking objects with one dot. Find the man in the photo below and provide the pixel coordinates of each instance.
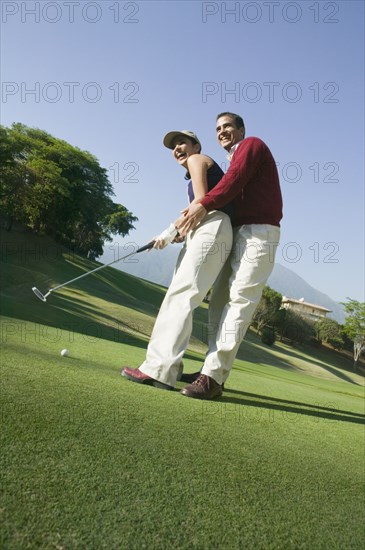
(252, 183)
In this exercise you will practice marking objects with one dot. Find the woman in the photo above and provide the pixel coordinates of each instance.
(201, 259)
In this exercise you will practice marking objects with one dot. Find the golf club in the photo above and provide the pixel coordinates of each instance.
(43, 297)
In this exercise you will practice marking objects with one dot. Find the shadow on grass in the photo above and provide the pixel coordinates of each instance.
(335, 370)
(340, 374)
(80, 313)
(75, 318)
(71, 314)
(285, 406)
(120, 288)
(247, 352)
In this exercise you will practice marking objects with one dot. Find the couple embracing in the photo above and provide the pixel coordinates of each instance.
(231, 230)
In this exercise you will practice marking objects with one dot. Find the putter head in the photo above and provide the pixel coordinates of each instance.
(39, 294)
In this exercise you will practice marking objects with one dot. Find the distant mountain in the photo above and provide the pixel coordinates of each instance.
(290, 284)
(158, 267)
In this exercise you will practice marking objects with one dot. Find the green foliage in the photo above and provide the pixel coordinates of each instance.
(268, 336)
(336, 342)
(355, 320)
(355, 326)
(56, 189)
(347, 342)
(294, 327)
(10, 179)
(118, 220)
(329, 331)
(267, 309)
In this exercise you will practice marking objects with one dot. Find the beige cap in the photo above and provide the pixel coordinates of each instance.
(169, 138)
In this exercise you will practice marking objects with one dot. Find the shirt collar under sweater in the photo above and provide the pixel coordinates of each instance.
(232, 150)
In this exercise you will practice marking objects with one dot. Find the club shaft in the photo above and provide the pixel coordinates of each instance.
(146, 247)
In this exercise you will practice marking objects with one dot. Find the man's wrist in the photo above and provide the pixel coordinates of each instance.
(205, 203)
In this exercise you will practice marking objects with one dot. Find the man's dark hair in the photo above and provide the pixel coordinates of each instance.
(237, 120)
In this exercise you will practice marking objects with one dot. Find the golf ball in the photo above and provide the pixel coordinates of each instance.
(64, 352)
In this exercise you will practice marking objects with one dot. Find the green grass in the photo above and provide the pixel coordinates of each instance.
(91, 460)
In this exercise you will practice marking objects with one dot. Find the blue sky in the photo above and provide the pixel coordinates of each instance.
(113, 77)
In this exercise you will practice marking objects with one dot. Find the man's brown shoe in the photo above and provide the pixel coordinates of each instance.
(138, 376)
(189, 378)
(204, 387)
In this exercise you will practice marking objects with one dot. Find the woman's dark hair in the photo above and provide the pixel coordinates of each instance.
(194, 142)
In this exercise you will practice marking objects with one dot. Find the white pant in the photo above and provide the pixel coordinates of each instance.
(236, 295)
(198, 266)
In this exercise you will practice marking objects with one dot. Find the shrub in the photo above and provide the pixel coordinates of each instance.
(268, 336)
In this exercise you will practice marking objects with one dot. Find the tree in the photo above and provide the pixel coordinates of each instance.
(267, 309)
(355, 326)
(268, 336)
(295, 328)
(11, 179)
(59, 190)
(347, 342)
(329, 331)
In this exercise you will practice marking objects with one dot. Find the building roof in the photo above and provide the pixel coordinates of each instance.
(302, 302)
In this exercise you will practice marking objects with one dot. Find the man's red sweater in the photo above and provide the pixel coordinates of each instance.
(252, 183)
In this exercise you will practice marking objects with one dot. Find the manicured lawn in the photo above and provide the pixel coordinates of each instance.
(91, 460)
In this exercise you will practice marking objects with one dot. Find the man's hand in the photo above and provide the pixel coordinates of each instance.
(191, 217)
(179, 239)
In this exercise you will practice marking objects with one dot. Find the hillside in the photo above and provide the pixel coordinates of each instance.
(158, 267)
(110, 304)
(28, 260)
